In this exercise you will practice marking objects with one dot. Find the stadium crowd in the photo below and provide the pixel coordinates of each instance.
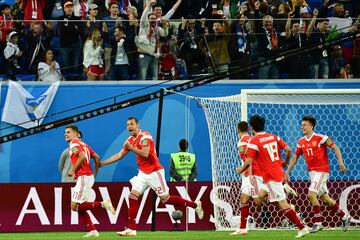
(179, 39)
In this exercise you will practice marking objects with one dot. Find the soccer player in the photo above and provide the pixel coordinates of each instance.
(314, 148)
(151, 174)
(80, 154)
(251, 179)
(264, 149)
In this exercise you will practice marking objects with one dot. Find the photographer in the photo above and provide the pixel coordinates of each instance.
(12, 54)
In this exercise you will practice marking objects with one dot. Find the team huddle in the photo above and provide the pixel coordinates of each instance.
(262, 174)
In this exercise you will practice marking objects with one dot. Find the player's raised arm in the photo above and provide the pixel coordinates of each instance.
(342, 166)
(116, 157)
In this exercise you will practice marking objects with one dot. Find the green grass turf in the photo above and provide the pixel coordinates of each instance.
(191, 235)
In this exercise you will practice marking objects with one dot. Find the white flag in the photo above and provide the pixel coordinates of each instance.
(24, 110)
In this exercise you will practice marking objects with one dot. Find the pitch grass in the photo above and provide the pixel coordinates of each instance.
(191, 235)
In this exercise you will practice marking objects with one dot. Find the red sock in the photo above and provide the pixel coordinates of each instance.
(244, 213)
(88, 206)
(178, 201)
(291, 215)
(337, 210)
(132, 211)
(317, 215)
(86, 219)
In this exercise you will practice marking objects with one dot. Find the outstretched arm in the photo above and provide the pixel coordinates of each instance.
(116, 157)
(287, 156)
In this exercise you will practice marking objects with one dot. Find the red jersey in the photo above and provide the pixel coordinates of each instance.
(315, 152)
(76, 147)
(264, 149)
(242, 146)
(6, 24)
(33, 10)
(144, 139)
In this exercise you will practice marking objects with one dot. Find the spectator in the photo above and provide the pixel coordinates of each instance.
(132, 31)
(93, 63)
(92, 20)
(120, 61)
(218, 43)
(239, 48)
(70, 30)
(297, 64)
(267, 44)
(33, 11)
(6, 24)
(190, 35)
(229, 8)
(12, 54)
(148, 42)
(110, 22)
(319, 66)
(183, 164)
(38, 40)
(157, 10)
(17, 11)
(168, 68)
(338, 67)
(48, 68)
(81, 9)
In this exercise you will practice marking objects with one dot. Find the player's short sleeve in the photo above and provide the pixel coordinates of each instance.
(298, 150)
(145, 140)
(329, 142)
(76, 148)
(251, 150)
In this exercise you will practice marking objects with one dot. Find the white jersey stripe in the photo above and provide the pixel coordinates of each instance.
(253, 146)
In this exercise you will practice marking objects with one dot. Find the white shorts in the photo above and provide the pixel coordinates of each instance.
(250, 190)
(275, 191)
(318, 182)
(82, 189)
(154, 180)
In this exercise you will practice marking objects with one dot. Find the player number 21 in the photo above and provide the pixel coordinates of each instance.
(273, 151)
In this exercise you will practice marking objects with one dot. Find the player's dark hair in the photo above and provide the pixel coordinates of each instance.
(150, 15)
(183, 145)
(310, 119)
(243, 126)
(73, 127)
(134, 118)
(257, 123)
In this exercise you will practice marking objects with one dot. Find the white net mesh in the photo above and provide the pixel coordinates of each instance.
(338, 116)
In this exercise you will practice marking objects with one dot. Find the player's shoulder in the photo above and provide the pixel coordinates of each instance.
(145, 134)
(320, 136)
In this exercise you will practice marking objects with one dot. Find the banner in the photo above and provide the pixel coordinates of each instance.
(46, 207)
(23, 109)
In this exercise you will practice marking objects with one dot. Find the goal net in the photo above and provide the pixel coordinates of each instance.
(338, 116)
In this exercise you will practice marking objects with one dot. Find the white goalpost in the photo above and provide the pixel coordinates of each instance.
(338, 115)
